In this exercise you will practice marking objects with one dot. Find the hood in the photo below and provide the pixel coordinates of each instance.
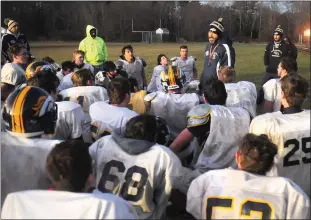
(88, 28)
(132, 146)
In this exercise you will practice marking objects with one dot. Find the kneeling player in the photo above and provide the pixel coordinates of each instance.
(135, 167)
(290, 131)
(113, 116)
(247, 193)
(29, 115)
(69, 167)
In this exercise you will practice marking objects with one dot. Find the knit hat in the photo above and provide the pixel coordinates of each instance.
(278, 30)
(10, 23)
(217, 26)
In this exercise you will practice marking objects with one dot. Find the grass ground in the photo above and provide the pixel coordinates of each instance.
(249, 57)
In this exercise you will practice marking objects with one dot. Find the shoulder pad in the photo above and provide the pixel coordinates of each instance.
(144, 62)
(195, 59)
(199, 115)
(173, 59)
(119, 64)
(149, 97)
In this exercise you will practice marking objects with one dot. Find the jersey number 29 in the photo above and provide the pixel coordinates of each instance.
(129, 184)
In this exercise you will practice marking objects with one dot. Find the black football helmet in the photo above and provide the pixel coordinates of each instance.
(29, 111)
(33, 68)
(163, 132)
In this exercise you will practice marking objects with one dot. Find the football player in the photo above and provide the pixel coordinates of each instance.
(137, 168)
(240, 94)
(69, 167)
(210, 124)
(133, 66)
(70, 116)
(85, 94)
(186, 64)
(246, 192)
(65, 75)
(272, 89)
(290, 131)
(155, 82)
(171, 105)
(29, 116)
(78, 60)
(113, 116)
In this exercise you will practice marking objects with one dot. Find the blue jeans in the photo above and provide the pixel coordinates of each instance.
(98, 68)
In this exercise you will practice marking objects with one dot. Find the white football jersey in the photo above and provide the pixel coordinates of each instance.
(242, 94)
(228, 125)
(173, 108)
(108, 118)
(66, 82)
(70, 120)
(46, 204)
(23, 163)
(236, 194)
(187, 66)
(138, 171)
(85, 96)
(291, 133)
(272, 92)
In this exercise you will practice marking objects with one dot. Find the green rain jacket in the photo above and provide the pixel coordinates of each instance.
(95, 49)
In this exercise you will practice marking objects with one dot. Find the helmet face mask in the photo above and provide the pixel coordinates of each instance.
(29, 112)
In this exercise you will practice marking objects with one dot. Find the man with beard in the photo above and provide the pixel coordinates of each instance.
(273, 53)
(216, 54)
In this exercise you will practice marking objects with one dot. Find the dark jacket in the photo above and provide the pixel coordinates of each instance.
(226, 39)
(273, 54)
(293, 52)
(8, 39)
(212, 63)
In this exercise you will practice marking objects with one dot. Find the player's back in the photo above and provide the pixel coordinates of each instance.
(138, 171)
(108, 118)
(23, 163)
(47, 204)
(291, 133)
(85, 95)
(242, 94)
(232, 194)
(173, 108)
(228, 125)
(70, 120)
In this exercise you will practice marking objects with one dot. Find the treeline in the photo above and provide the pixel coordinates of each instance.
(254, 20)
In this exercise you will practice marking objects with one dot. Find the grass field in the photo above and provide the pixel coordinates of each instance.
(249, 58)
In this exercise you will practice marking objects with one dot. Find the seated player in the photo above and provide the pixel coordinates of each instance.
(137, 168)
(52, 62)
(246, 192)
(240, 94)
(155, 82)
(272, 89)
(110, 72)
(113, 116)
(69, 168)
(171, 105)
(186, 64)
(290, 131)
(133, 66)
(70, 116)
(29, 116)
(85, 94)
(65, 74)
(211, 124)
(78, 60)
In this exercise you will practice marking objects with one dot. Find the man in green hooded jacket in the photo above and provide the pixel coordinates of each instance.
(95, 49)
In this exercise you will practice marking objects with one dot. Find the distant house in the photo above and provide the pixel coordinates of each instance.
(162, 34)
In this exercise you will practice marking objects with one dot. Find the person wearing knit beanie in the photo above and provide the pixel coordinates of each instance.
(13, 36)
(274, 52)
(278, 34)
(216, 53)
